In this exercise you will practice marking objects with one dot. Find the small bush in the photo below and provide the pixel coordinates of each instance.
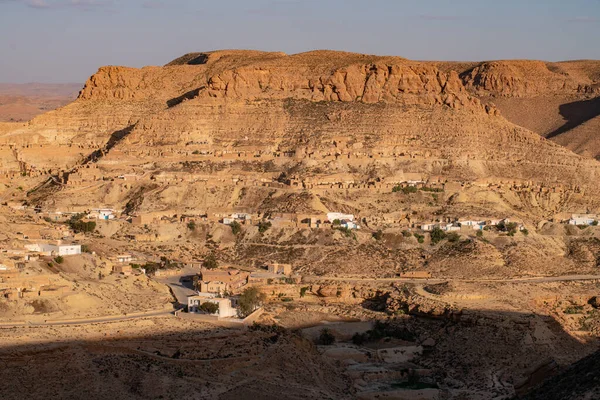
(359, 338)
(437, 235)
(264, 226)
(525, 232)
(420, 238)
(406, 234)
(378, 235)
(210, 262)
(59, 260)
(303, 291)
(453, 237)
(336, 222)
(235, 227)
(479, 234)
(326, 338)
(191, 226)
(405, 190)
(209, 308)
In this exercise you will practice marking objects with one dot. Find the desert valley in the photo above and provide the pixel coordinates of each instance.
(246, 224)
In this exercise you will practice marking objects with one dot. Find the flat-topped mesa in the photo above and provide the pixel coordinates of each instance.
(525, 78)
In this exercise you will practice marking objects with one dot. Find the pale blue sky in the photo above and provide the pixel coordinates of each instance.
(67, 40)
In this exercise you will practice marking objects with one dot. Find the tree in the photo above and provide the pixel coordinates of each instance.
(209, 308)
(264, 226)
(191, 226)
(437, 235)
(59, 260)
(210, 262)
(303, 291)
(235, 227)
(250, 299)
(326, 338)
(337, 222)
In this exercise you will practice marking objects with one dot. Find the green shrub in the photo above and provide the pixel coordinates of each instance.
(453, 237)
(191, 226)
(210, 262)
(303, 291)
(359, 338)
(405, 189)
(406, 234)
(250, 299)
(378, 235)
(437, 235)
(209, 308)
(326, 338)
(525, 232)
(336, 222)
(235, 227)
(264, 226)
(420, 238)
(59, 260)
(479, 234)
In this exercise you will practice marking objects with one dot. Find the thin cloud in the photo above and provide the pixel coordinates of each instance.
(584, 20)
(63, 4)
(429, 17)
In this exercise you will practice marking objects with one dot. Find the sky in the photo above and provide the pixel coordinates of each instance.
(58, 41)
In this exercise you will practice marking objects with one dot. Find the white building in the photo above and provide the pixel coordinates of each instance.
(339, 216)
(427, 227)
(58, 249)
(226, 306)
(583, 219)
(350, 225)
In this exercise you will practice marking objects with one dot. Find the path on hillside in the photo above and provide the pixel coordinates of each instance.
(540, 279)
(84, 321)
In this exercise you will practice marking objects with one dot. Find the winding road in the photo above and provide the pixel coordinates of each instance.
(95, 320)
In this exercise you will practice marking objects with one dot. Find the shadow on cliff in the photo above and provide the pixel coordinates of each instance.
(575, 114)
(492, 350)
(55, 183)
(186, 96)
(113, 140)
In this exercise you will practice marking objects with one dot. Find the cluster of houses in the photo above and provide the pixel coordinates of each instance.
(474, 224)
(218, 286)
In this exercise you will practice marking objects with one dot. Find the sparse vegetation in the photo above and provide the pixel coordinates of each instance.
(264, 226)
(404, 189)
(326, 338)
(59, 260)
(235, 227)
(406, 234)
(209, 308)
(437, 235)
(250, 299)
(378, 235)
(453, 237)
(210, 262)
(420, 238)
(191, 226)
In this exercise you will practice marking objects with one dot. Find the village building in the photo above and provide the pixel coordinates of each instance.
(122, 269)
(227, 307)
(583, 219)
(58, 249)
(283, 269)
(332, 216)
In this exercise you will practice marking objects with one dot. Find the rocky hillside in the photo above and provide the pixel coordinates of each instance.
(312, 114)
(555, 100)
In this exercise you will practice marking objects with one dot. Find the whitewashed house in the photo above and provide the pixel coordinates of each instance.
(226, 305)
(332, 216)
(583, 219)
(350, 225)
